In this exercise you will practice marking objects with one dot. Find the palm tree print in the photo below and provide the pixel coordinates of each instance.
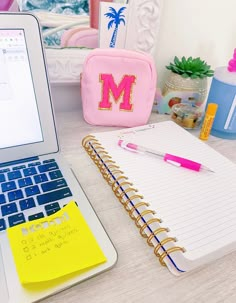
(116, 19)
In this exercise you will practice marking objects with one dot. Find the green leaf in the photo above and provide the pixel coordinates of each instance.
(189, 59)
(174, 68)
(176, 60)
(209, 74)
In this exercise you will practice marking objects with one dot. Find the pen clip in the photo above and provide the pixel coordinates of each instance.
(173, 162)
(124, 145)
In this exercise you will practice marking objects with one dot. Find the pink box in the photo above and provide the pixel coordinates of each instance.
(94, 12)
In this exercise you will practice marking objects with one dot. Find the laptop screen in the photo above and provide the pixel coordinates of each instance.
(19, 116)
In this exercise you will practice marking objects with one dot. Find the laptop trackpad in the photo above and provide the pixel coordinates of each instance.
(3, 283)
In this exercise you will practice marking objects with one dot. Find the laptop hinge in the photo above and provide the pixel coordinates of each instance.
(18, 161)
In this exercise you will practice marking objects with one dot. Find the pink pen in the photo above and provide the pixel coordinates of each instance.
(172, 159)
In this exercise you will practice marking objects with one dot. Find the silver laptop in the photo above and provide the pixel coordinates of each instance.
(34, 180)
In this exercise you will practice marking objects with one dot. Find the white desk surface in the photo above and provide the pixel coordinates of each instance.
(137, 277)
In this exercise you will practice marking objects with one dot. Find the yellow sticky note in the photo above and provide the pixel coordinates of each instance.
(54, 246)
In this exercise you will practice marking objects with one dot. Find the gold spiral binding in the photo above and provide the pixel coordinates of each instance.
(125, 192)
(129, 200)
(156, 232)
(109, 164)
(132, 198)
(87, 139)
(100, 150)
(135, 208)
(145, 225)
(110, 179)
(168, 252)
(110, 167)
(127, 195)
(116, 182)
(125, 204)
(142, 214)
(105, 158)
(162, 243)
(119, 187)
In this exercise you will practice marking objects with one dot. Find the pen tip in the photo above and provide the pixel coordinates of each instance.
(207, 169)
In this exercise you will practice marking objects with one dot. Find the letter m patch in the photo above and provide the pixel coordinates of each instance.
(122, 91)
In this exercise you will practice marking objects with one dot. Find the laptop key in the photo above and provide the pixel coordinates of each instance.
(7, 186)
(29, 171)
(15, 195)
(34, 164)
(54, 196)
(48, 161)
(40, 178)
(2, 199)
(16, 219)
(25, 182)
(9, 209)
(32, 190)
(2, 224)
(27, 203)
(52, 211)
(36, 216)
(53, 185)
(56, 174)
(18, 167)
(4, 170)
(14, 175)
(47, 167)
(52, 208)
(2, 178)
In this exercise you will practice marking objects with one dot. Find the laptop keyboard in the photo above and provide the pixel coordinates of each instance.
(23, 187)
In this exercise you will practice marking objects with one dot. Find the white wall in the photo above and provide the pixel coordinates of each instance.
(198, 28)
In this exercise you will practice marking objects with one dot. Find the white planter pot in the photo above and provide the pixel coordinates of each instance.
(176, 83)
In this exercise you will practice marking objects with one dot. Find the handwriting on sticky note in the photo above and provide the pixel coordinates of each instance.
(54, 246)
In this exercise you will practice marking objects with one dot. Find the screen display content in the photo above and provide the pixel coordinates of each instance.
(19, 117)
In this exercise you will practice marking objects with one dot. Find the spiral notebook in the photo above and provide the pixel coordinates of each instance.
(188, 217)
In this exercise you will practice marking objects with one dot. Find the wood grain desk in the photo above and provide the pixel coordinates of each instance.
(137, 277)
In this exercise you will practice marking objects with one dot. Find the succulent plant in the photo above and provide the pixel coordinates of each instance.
(191, 68)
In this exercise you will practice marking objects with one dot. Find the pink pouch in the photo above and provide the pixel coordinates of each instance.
(82, 37)
(118, 87)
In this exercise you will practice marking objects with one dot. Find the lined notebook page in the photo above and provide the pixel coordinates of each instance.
(199, 208)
